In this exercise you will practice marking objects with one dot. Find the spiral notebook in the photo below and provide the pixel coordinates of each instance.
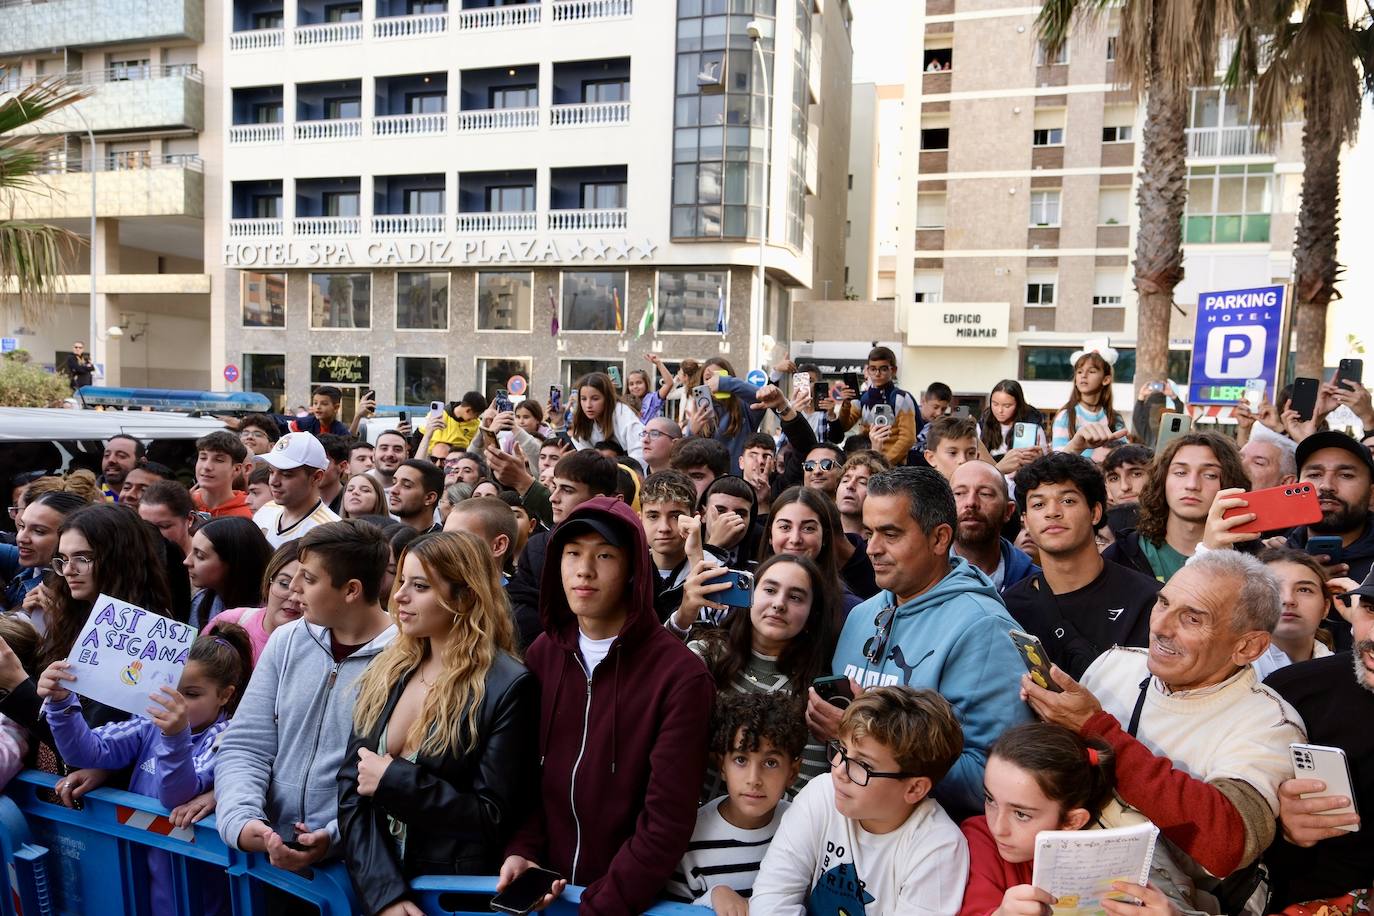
(1079, 866)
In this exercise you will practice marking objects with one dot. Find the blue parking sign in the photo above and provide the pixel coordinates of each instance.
(1236, 338)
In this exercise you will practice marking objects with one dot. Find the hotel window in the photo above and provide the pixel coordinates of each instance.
(514, 97)
(589, 300)
(617, 90)
(421, 301)
(421, 379)
(504, 299)
(1044, 208)
(1121, 133)
(340, 300)
(1118, 124)
(335, 109)
(264, 299)
(691, 300)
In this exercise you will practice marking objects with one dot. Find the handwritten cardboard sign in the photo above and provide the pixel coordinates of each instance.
(125, 653)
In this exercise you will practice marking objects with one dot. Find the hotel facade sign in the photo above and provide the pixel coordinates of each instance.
(441, 251)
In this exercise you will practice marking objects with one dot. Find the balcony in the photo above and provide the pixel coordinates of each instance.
(131, 98)
(587, 220)
(498, 17)
(587, 198)
(496, 222)
(590, 114)
(410, 26)
(255, 208)
(589, 10)
(257, 39)
(409, 224)
(330, 129)
(329, 111)
(317, 226)
(125, 186)
(254, 228)
(501, 201)
(31, 27)
(591, 93)
(256, 115)
(409, 105)
(408, 204)
(409, 125)
(255, 134)
(490, 119)
(327, 33)
(327, 206)
(1221, 142)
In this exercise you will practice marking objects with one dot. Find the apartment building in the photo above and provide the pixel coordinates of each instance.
(424, 197)
(1016, 220)
(137, 144)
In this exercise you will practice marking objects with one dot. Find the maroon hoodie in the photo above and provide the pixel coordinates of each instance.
(623, 755)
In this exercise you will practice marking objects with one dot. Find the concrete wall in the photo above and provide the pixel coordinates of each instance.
(860, 250)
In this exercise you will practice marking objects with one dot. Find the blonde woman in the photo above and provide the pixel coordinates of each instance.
(445, 745)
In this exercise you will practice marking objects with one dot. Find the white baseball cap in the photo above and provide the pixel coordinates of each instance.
(294, 450)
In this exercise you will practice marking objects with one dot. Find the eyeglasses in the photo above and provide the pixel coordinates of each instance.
(14, 511)
(825, 464)
(880, 370)
(876, 645)
(858, 772)
(656, 434)
(252, 434)
(78, 564)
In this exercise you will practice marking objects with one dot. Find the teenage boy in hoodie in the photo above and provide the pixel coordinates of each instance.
(220, 457)
(624, 719)
(937, 623)
(276, 776)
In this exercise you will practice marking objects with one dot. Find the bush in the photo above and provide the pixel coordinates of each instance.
(26, 385)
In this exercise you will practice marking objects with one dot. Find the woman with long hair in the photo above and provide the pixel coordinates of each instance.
(732, 420)
(1006, 407)
(444, 752)
(363, 495)
(782, 644)
(1090, 401)
(279, 607)
(599, 415)
(227, 559)
(804, 522)
(1298, 636)
(24, 564)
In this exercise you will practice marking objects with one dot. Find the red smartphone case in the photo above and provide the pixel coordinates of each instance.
(1287, 506)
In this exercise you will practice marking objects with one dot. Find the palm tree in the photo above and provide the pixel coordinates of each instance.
(32, 255)
(1165, 47)
(1315, 61)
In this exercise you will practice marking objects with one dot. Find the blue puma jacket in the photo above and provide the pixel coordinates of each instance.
(952, 639)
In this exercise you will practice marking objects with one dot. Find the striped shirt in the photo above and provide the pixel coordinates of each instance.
(268, 519)
(720, 853)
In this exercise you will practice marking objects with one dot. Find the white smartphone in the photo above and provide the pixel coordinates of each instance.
(436, 408)
(1254, 393)
(1316, 761)
(1025, 435)
(801, 381)
(882, 415)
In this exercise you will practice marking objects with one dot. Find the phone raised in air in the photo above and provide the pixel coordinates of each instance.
(555, 399)
(1304, 399)
(614, 373)
(502, 401)
(1276, 508)
(1254, 394)
(835, 690)
(1350, 370)
(1329, 764)
(741, 590)
(851, 381)
(1035, 658)
(524, 893)
(701, 396)
(820, 391)
(882, 415)
(1171, 426)
(436, 408)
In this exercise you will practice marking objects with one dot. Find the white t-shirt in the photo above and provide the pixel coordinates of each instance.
(593, 650)
(268, 520)
(1275, 658)
(820, 862)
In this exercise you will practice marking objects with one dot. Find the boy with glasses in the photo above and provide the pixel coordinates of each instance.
(899, 406)
(868, 837)
(657, 441)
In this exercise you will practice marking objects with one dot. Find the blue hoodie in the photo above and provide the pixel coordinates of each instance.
(951, 639)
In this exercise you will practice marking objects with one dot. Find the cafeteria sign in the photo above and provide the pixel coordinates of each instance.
(340, 370)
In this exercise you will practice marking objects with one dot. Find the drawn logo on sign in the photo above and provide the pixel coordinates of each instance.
(131, 674)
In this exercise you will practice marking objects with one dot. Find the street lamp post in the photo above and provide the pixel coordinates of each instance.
(96, 351)
(754, 29)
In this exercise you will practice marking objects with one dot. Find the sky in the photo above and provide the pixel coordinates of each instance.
(880, 49)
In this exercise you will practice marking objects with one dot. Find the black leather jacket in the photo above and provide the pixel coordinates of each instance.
(459, 810)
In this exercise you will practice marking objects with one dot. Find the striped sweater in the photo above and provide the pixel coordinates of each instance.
(721, 853)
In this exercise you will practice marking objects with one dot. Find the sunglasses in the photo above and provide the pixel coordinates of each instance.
(825, 464)
(876, 645)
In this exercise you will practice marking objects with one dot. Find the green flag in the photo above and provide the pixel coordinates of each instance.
(647, 322)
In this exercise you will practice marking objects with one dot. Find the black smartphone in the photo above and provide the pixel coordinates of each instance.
(502, 401)
(1323, 544)
(1350, 370)
(525, 892)
(1304, 399)
(404, 417)
(835, 690)
(820, 391)
(369, 394)
(851, 381)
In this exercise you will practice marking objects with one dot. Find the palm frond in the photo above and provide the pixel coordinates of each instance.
(32, 257)
(1057, 18)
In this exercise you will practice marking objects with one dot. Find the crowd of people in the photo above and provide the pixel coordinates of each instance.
(745, 648)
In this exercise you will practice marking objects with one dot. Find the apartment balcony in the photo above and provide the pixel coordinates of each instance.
(409, 224)
(410, 105)
(590, 114)
(256, 134)
(416, 26)
(409, 125)
(409, 204)
(590, 93)
(257, 40)
(496, 222)
(127, 186)
(590, 10)
(327, 33)
(497, 17)
(31, 27)
(587, 220)
(321, 226)
(329, 110)
(131, 98)
(255, 228)
(1223, 142)
(330, 129)
(493, 119)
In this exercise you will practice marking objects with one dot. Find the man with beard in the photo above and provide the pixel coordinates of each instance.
(853, 490)
(1079, 605)
(392, 449)
(1314, 858)
(822, 468)
(980, 497)
(1343, 472)
(122, 455)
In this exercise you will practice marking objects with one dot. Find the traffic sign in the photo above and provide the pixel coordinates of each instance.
(231, 373)
(757, 377)
(516, 385)
(9, 344)
(1236, 339)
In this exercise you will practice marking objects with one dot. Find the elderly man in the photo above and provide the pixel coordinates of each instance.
(1270, 459)
(981, 499)
(1201, 747)
(1318, 856)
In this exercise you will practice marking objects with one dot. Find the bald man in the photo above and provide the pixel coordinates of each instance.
(984, 506)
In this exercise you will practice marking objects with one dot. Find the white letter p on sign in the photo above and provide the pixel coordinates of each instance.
(1236, 352)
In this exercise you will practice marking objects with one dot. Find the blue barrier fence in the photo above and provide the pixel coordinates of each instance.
(65, 862)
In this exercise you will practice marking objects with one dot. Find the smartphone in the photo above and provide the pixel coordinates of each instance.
(820, 391)
(436, 408)
(1025, 435)
(963, 412)
(525, 892)
(1350, 370)
(1254, 394)
(851, 381)
(1323, 544)
(882, 415)
(801, 381)
(505, 440)
(1171, 426)
(1276, 508)
(555, 398)
(1036, 659)
(502, 401)
(835, 690)
(614, 373)
(404, 417)
(701, 396)
(1316, 761)
(1304, 399)
(369, 394)
(741, 590)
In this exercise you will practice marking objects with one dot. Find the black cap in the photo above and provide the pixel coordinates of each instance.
(580, 525)
(1333, 439)
(1365, 589)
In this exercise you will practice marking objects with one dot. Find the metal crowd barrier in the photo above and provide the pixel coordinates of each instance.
(92, 862)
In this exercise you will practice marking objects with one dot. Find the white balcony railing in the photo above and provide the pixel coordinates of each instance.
(410, 26)
(590, 114)
(499, 17)
(257, 39)
(330, 129)
(408, 224)
(582, 10)
(523, 221)
(256, 133)
(409, 125)
(1215, 142)
(249, 228)
(325, 225)
(586, 220)
(328, 33)
(498, 118)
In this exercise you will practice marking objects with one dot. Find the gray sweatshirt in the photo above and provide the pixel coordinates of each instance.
(278, 761)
